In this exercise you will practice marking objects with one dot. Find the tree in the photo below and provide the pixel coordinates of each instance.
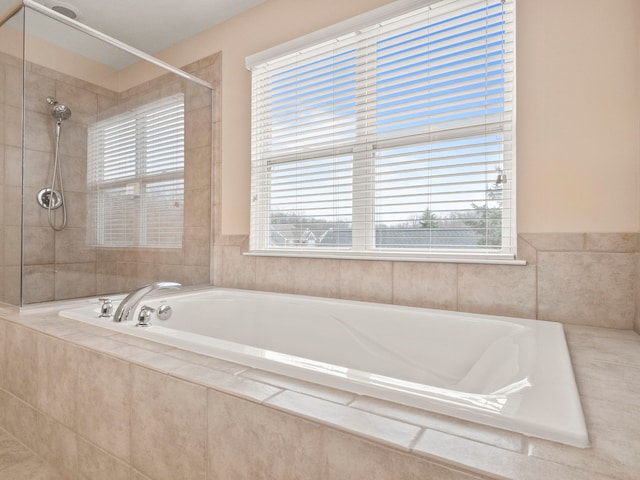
(487, 219)
(428, 219)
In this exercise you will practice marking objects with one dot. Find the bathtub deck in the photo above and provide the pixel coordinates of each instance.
(606, 364)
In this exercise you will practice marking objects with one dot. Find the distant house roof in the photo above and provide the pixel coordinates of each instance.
(291, 234)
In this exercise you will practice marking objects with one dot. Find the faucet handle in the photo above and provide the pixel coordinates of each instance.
(106, 308)
(144, 317)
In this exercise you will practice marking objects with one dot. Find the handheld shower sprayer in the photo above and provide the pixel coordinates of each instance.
(53, 198)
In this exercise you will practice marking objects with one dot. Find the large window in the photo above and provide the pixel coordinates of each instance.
(389, 135)
(136, 177)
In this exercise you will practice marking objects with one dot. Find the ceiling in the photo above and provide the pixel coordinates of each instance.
(149, 25)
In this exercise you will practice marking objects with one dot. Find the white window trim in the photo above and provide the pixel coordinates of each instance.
(454, 256)
(135, 184)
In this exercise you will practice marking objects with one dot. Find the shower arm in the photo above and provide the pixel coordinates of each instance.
(100, 36)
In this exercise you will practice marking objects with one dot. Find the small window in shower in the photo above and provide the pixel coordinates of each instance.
(135, 177)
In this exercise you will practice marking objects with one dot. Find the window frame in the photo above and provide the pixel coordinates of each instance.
(136, 179)
(364, 230)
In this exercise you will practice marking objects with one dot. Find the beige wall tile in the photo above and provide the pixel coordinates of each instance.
(22, 363)
(96, 464)
(370, 281)
(3, 350)
(11, 284)
(20, 420)
(37, 88)
(237, 270)
(197, 168)
(38, 281)
(57, 379)
(250, 442)
(76, 209)
(168, 426)
(197, 207)
(196, 275)
(526, 251)
(34, 468)
(497, 290)
(73, 138)
(71, 246)
(13, 453)
(431, 285)
(39, 246)
(37, 166)
(11, 245)
(320, 278)
(13, 83)
(136, 475)
(611, 242)
(13, 126)
(74, 168)
(275, 274)
(555, 242)
(58, 446)
(197, 246)
(13, 166)
(104, 402)
(197, 128)
(74, 280)
(39, 131)
(586, 288)
(83, 103)
(636, 324)
(11, 205)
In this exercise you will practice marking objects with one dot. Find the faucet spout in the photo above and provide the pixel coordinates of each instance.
(130, 302)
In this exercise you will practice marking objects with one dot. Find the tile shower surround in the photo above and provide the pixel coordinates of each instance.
(96, 404)
(58, 265)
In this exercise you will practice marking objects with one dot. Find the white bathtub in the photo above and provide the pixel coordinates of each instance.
(510, 373)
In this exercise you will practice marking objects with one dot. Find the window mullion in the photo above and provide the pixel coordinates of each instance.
(363, 227)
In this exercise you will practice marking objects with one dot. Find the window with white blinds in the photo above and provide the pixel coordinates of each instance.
(393, 138)
(135, 177)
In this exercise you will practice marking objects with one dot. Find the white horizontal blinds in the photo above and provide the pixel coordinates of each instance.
(136, 176)
(395, 137)
(444, 127)
(304, 120)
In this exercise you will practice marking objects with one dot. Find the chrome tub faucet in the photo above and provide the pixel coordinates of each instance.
(130, 302)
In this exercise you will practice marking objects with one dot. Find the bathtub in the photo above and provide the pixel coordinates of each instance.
(510, 373)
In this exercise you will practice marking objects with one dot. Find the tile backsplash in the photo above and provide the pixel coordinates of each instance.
(576, 278)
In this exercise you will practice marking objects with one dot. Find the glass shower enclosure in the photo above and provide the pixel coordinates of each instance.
(105, 163)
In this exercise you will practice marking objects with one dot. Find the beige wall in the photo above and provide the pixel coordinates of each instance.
(578, 105)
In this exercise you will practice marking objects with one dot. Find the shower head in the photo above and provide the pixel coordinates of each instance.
(59, 111)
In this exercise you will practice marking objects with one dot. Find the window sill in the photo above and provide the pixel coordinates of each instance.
(501, 259)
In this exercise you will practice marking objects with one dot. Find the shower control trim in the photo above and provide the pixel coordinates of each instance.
(47, 196)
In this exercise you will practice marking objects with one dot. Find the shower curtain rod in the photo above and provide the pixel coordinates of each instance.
(101, 36)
